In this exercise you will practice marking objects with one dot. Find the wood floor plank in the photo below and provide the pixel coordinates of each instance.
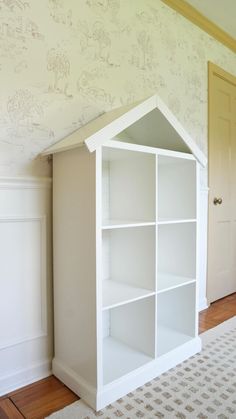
(218, 312)
(8, 410)
(42, 398)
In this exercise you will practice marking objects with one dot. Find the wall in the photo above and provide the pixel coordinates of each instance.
(63, 62)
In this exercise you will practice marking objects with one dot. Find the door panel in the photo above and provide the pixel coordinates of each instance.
(222, 182)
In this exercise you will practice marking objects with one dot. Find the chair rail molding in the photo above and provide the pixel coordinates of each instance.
(25, 182)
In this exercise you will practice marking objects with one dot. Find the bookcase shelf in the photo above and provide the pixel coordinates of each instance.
(167, 282)
(122, 358)
(175, 221)
(117, 293)
(111, 224)
(168, 339)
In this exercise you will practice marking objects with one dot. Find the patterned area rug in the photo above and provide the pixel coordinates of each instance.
(202, 387)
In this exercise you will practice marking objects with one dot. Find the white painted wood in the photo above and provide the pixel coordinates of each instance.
(176, 313)
(128, 186)
(75, 382)
(129, 382)
(177, 249)
(176, 221)
(142, 375)
(169, 339)
(99, 269)
(117, 293)
(122, 358)
(166, 282)
(16, 183)
(118, 143)
(74, 262)
(111, 224)
(25, 376)
(138, 317)
(159, 119)
(129, 256)
(176, 189)
(25, 281)
(126, 270)
(105, 126)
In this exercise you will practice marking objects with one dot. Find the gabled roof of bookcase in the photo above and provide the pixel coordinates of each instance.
(111, 124)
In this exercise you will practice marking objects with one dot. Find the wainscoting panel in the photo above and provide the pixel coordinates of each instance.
(25, 281)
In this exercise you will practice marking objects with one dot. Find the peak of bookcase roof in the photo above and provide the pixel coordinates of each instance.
(110, 124)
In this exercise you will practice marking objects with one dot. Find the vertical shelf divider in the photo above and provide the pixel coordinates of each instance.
(99, 319)
(156, 253)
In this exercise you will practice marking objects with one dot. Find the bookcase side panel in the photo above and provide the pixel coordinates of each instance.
(74, 223)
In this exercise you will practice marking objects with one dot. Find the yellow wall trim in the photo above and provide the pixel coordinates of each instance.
(198, 19)
(214, 70)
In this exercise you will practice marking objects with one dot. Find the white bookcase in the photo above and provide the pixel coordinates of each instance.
(125, 251)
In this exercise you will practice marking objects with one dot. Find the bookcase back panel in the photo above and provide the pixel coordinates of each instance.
(176, 309)
(129, 256)
(177, 249)
(133, 324)
(176, 188)
(128, 185)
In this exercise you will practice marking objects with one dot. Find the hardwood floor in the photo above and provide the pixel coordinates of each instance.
(218, 312)
(41, 399)
(37, 400)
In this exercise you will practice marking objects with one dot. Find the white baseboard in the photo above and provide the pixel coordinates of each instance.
(76, 383)
(203, 304)
(21, 378)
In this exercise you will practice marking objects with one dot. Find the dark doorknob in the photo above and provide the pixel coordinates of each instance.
(217, 201)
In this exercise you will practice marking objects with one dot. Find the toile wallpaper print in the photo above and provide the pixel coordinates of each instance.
(64, 62)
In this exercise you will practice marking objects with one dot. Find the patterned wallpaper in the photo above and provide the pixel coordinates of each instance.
(63, 62)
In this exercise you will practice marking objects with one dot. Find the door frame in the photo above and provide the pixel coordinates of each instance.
(213, 71)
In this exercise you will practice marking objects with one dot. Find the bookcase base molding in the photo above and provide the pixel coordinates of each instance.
(98, 399)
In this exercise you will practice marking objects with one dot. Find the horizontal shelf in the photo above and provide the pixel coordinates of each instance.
(169, 339)
(117, 293)
(111, 224)
(166, 282)
(120, 359)
(176, 220)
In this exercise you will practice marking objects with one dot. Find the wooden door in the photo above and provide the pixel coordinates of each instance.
(222, 182)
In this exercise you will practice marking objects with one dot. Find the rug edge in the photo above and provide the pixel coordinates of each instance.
(218, 330)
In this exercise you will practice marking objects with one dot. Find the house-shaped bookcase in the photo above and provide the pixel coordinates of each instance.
(125, 217)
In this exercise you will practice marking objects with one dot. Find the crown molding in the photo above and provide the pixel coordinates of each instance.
(190, 13)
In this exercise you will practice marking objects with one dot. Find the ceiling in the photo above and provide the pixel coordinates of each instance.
(220, 12)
